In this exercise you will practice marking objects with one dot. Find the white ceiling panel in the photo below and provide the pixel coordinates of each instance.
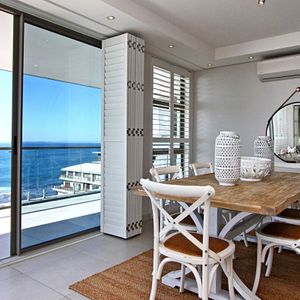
(220, 32)
(6, 41)
(225, 22)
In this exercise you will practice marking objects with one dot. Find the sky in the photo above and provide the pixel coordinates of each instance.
(53, 111)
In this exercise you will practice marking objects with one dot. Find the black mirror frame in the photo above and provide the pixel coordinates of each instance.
(272, 134)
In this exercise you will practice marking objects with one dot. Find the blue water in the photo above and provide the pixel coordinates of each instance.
(41, 168)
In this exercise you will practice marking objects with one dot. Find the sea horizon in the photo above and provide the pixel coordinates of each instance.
(41, 165)
(53, 143)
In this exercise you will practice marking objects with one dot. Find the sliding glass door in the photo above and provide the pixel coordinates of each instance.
(6, 42)
(51, 81)
(61, 139)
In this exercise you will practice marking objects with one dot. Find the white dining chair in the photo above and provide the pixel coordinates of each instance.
(199, 168)
(290, 216)
(159, 174)
(174, 243)
(274, 234)
(202, 168)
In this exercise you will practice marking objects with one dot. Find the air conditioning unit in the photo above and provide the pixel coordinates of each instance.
(279, 68)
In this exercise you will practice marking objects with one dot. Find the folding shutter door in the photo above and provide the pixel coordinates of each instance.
(122, 156)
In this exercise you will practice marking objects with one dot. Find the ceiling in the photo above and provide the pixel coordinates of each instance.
(226, 22)
(219, 32)
(50, 55)
(6, 38)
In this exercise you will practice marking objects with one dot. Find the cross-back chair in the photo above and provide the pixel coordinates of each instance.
(159, 174)
(199, 168)
(274, 234)
(202, 168)
(177, 244)
(291, 216)
(168, 172)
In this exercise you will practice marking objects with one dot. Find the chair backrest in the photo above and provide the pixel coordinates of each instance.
(202, 194)
(173, 172)
(202, 168)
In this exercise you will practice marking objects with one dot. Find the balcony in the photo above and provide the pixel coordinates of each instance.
(49, 209)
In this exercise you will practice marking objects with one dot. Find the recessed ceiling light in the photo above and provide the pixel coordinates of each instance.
(171, 46)
(110, 18)
(261, 2)
(251, 57)
(209, 65)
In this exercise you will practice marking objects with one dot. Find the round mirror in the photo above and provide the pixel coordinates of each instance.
(284, 128)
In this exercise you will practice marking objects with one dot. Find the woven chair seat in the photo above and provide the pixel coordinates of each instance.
(290, 214)
(181, 244)
(282, 230)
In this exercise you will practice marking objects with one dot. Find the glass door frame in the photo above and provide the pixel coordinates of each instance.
(20, 18)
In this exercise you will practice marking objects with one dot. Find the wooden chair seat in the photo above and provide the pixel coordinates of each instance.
(180, 243)
(290, 214)
(281, 230)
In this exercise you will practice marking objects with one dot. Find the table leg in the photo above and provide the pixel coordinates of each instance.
(214, 229)
(238, 224)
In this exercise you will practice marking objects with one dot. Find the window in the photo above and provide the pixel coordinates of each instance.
(171, 116)
(61, 126)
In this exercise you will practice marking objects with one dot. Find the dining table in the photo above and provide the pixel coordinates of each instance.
(251, 202)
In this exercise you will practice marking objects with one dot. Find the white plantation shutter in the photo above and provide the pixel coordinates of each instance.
(122, 135)
(171, 116)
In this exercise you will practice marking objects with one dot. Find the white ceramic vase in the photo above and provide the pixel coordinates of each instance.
(227, 158)
(264, 147)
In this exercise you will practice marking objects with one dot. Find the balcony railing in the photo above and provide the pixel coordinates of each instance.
(43, 197)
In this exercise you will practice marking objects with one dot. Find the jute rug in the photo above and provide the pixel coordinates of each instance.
(131, 280)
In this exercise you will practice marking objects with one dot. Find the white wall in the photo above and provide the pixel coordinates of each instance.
(232, 98)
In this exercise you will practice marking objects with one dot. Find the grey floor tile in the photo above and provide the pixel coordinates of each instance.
(48, 276)
(65, 271)
(44, 260)
(75, 296)
(21, 287)
(8, 272)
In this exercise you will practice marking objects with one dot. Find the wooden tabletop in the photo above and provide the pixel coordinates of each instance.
(268, 197)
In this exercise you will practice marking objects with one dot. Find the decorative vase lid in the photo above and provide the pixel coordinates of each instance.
(231, 134)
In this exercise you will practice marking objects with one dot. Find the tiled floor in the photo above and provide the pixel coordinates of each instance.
(49, 275)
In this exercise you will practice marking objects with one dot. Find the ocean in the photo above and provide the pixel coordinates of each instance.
(41, 166)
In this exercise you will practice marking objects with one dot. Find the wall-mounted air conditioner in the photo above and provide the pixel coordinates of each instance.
(279, 68)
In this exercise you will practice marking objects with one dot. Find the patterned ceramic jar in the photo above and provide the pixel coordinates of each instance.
(264, 147)
(227, 158)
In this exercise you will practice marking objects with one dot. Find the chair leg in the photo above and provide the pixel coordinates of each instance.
(154, 275)
(205, 283)
(245, 239)
(269, 262)
(258, 265)
(230, 278)
(225, 219)
(280, 249)
(182, 279)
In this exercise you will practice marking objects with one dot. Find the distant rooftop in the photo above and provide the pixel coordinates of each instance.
(92, 168)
